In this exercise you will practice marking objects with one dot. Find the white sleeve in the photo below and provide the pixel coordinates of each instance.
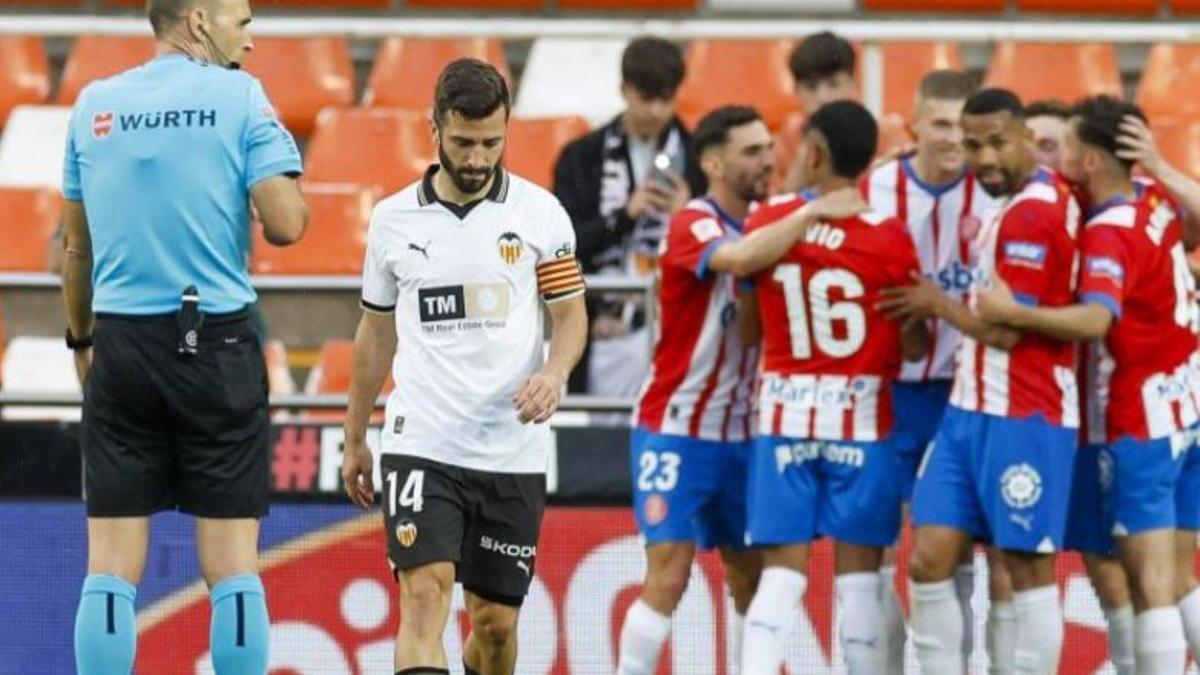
(380, 286)
(559, 276)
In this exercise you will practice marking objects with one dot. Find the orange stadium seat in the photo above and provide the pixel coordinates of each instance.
(98, 56)
(475, 4)
(905, 63)
(335, 241)
(1037, 70)
(1171, 74)
(934, 5)
(370, 146)
(1179, 142)
(28, 219)
(331, 375)
(1090, 6)
(755, 69)
(24, 72)
(628, 4)
(406, 69)
(1185, 6)
(302, 76)
(533, 145)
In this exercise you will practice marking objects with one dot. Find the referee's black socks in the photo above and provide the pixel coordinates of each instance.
(423, 670)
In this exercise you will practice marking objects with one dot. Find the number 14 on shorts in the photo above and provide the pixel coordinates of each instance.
(411, 495)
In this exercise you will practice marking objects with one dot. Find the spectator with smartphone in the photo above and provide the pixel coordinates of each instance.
(620, 184)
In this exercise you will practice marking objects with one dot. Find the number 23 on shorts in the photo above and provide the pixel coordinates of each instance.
(411, 495)
(659, 471)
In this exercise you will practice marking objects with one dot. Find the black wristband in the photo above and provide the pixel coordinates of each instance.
(76, 345)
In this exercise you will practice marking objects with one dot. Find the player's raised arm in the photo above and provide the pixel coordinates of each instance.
(767, 244)
(1137, 144)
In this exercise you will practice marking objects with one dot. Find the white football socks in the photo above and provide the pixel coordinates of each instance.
(642, 639)
(770, 618)
(937, 627)
(1039, 636)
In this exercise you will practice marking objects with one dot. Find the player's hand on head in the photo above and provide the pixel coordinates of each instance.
(839, 204)
(916, 301)
(358, 467)
(1136, 143)
(538, 399)
(995, 302)
(83, 364)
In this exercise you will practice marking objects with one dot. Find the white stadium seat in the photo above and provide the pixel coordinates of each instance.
(551, 85)
(39, 365)
(31, 149)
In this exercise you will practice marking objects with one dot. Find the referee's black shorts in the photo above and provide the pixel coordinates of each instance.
(164, 431)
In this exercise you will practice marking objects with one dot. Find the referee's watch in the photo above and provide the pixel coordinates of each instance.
(77, 344)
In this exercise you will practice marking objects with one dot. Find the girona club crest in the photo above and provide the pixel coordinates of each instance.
(102, 124)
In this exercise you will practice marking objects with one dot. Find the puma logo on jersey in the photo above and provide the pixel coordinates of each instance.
(525, 566)
(423, 250)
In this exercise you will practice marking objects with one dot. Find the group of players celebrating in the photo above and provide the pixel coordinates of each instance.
(1007, 346)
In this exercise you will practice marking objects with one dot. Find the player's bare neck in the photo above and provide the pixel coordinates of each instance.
(447, 191)
(931, 174)
(832, 184)
(728, 200)
(1101, 188)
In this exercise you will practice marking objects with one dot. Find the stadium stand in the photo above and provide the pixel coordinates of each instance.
(406, 69)
(34, 365)
(394, 147)
(1179, 141)
(548, 87)
(31, 149)
(303, 75)
(28, 220)
(1185, 6)
(335, 241)
(94, 57)
(1078, 70)
(1169, 70)
(905, 63)
(1090, 6)
(533, 145)
(752, 72)
(24, 72)
(279, 376)
(934, 5)
(643, 5)
(532, 5)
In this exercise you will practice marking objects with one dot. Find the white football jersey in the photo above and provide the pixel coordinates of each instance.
(942, 221)
(467, 285)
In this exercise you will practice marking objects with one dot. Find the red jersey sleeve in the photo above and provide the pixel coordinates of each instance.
(691, 240)
(1103, 276)
(1024, 250)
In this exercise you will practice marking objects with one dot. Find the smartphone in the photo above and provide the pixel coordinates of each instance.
(660, 170)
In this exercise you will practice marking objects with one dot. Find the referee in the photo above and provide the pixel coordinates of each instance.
(162, 165)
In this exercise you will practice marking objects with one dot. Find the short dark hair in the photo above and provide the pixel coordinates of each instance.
(471, 88)
(1048, 107)
(946, 85)
(821, 55)
(713, 129)
(164, 13)
(653, 66)
(1099, 123)
(994, 100)
(850, 132)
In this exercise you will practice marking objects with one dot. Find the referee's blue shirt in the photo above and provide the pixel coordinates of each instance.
(163, 157)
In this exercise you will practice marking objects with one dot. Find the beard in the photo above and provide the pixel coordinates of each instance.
(753, 188)
(468, 181)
